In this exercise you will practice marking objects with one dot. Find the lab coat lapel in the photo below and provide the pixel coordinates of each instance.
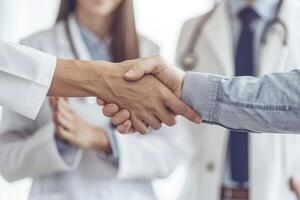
(274, 57)
(218, 34)
(274, 54)
(81, 49)
(79, 44)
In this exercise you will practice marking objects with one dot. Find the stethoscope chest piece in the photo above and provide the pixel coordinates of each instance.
(189, 61)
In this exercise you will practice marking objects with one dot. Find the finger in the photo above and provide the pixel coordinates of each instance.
(53, 103)
(153, 122)
(125, 127)
(100, 102)
(62, 103)
(143, 67)
(178, 107)
(64, 106)
(64, 112)
(62, 121)
(166, 117)
(110, 110)
(67, 135)
(138, 125)
(120, 117)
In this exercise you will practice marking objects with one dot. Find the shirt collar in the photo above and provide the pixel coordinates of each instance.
(92, 40)
(266, 9)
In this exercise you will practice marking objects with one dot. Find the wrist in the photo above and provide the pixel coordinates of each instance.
(76, 78)
(101, 142)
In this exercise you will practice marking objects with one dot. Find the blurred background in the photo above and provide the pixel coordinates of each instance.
(159, 20)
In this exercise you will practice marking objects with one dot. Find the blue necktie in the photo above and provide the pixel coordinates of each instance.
(244, 66)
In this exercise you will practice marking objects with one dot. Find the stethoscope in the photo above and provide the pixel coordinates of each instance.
(70, 38)
(189, 59)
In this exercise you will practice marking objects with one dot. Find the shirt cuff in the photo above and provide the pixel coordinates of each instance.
(70, 154)
(41, 85)
(200, 91)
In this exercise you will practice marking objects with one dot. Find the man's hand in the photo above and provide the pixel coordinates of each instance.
(158, 67)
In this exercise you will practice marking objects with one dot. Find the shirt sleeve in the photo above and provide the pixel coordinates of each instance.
(268, 104)
(25, 78)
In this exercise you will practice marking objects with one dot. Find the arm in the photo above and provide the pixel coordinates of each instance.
(267, 104)
(26, 151)
(170, 147)
(25, 74)
(29, 75)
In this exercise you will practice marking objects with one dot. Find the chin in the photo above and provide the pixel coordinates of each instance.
(102, 13)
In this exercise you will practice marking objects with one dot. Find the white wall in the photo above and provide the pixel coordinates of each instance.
(160, 20)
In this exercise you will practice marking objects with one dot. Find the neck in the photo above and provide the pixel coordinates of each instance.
(100, 26)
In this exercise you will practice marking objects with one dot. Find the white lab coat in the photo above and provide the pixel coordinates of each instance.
(25, 74)
(28, 148)
(274, 159)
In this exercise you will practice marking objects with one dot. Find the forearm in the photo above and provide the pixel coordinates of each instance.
(268, 104)
(73, 78)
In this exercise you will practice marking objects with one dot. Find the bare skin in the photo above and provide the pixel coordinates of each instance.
(96, 16)
(156, 66)
(71, 128)
(149, 101)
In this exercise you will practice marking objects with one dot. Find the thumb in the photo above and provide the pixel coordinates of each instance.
(135, 73)
(143, 67)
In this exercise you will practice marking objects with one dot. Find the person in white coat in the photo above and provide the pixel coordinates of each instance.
(273, 160)
(79, 154)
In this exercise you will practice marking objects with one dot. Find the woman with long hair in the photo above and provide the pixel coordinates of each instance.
(71, 151)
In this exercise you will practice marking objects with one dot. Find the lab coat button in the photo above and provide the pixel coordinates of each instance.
(210, 166)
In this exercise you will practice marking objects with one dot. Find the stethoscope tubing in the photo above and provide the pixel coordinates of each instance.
(189, 59)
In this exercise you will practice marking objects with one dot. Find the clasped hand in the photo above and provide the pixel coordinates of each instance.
(71, 128)
(151, 98)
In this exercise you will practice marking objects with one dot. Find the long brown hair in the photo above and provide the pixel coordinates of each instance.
(124, 35)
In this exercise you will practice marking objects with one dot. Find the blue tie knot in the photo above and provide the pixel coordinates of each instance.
(248, 15)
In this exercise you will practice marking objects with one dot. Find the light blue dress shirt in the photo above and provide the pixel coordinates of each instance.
(266, 10)
(99, 50)
(270, 104)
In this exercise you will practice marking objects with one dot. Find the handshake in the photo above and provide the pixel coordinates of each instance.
(144, 93)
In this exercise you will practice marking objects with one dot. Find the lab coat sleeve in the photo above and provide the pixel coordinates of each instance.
(152, 156)
(29, 152)
(25, 78)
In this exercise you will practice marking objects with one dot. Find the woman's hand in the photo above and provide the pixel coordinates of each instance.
(71, 128)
